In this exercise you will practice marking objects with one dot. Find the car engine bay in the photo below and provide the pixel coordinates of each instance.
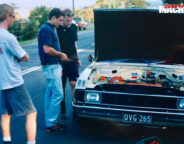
(155, 75)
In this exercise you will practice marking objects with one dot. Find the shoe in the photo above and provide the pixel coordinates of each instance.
(7, 142)
(55, 128)
(61, 125)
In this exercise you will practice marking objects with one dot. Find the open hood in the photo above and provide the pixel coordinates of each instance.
(139, 34)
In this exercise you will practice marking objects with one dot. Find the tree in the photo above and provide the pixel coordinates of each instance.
(40, 15)
(87, 13)
(16, 30)
(120, 3)
(136, 3)
(30, 31)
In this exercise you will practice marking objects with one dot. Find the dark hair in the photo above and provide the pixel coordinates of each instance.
(68, 12)
(56, 12)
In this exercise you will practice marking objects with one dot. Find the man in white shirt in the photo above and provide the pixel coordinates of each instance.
(15, 98)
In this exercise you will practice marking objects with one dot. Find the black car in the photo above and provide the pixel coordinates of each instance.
(137, 76)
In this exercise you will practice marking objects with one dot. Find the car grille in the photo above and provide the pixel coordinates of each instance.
(135, 96)
(138, 100)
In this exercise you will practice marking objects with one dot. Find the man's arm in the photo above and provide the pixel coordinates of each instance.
(79, 62)
(49, 50)
(24, 58)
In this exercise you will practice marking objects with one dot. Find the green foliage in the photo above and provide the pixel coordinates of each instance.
(37, 17)
(120, 3)
(40, 15)
(109, 4)
(30, 31)
(87, 13)
(15, 29)
(136, 3)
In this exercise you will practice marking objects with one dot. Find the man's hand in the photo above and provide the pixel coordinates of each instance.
(51, 51)
(79, 63)
(24, 58)
(63, 57)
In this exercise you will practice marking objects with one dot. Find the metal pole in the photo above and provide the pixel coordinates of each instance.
(73, 6)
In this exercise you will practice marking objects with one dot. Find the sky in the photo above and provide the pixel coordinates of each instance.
(52, 3)
(26, 5)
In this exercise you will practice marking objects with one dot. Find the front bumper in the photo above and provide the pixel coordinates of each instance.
(159, 119)
(156, 102)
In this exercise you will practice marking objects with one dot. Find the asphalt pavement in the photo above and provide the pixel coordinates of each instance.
(84, 131)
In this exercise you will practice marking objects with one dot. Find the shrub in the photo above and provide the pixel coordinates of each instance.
(30, 31)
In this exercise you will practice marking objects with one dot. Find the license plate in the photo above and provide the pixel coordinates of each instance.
(137, 118)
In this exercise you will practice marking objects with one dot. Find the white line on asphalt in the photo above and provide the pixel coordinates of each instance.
(31, 70)
(85, 50)
(80, 50)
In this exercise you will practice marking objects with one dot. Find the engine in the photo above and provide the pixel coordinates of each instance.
(133, 75)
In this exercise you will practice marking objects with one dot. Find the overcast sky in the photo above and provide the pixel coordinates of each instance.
(50, 3)
(26, 5)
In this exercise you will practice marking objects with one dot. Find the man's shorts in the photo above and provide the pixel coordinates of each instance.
(70, 70)
(16, 101)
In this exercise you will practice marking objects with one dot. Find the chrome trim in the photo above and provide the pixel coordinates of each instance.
(168, 96)
(123, 110)
(133, 106)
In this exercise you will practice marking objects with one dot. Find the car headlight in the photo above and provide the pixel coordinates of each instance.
(93, 97)
(181, 103)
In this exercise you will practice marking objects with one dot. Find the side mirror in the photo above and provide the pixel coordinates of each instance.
(90, 58)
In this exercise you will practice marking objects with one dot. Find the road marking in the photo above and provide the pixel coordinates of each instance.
(85, 50)
(29, 70)
(80, 50)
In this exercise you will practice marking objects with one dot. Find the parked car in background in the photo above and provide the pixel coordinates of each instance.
(81, 24)
(137, 76)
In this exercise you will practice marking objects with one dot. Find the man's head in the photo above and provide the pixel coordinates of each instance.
(7, 15)
(68, 17)
(56, 16)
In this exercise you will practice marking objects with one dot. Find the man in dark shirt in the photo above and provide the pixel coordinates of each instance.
(68, 36)
(51, 57)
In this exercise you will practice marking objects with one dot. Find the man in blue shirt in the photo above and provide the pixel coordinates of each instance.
(51, 57)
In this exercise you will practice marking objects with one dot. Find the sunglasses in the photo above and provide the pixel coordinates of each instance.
(13, 16)
(69, 14)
